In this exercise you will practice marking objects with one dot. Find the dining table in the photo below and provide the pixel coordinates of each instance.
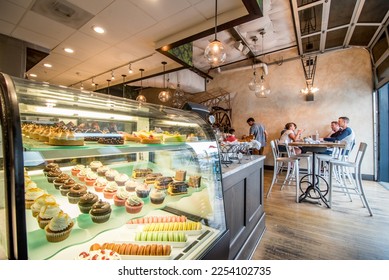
(313, 186)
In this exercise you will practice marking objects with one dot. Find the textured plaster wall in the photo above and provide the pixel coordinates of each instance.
(346, 85)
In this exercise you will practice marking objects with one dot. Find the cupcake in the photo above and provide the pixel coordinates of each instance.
(31, 195)
(157, 196)
(94, 165)
(53, 174)
(41, 201)
(29, 185)
(142, 190)
(75, 193)
(90, 178)
(120, 197)
(100, 212)
(110, 189)
(59, 228)
(134, 204)
(110, 174)
(100, 184)
(82, 174)
(65, 188)
(46, 213)
(62, 178)
(121, 179)
(102, 169)
(77, 169)
(86, 201)
(50, 167)
(130, 185)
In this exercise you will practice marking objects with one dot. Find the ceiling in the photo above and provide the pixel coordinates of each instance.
(145, 33)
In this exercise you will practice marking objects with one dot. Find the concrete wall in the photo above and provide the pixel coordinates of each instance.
(345, 81)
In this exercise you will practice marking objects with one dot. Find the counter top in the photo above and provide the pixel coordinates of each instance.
(231, 169)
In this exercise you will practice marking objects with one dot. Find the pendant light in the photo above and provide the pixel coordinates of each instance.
(215, 52)
(178, 96)
(165, 94)
(141, 98)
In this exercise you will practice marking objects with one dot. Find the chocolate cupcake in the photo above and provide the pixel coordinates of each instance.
(86, 201)
(53, 174)
(50, 167)
(65, 188)
(157, 196)
(75, 193)
(61, 179)
(100, 212)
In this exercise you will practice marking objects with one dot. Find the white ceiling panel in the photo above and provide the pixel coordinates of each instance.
(89, 45)
(6, 27)
(162, 9)
(21, 3)
(34, 38)
(92, 6)
(10, 12)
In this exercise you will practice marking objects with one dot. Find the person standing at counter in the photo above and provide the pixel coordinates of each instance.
(346, 134)
(259, 132)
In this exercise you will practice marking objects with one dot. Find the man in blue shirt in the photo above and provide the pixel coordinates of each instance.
(345, 135)
(259, 132)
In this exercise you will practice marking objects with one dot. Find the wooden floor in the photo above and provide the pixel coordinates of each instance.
(306, 231)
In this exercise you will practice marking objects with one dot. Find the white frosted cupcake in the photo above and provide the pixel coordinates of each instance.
(110, 174)
(59, 227)
(41, 201)
(121, 179)
(47, 213)
(94, 165)
(31, 195)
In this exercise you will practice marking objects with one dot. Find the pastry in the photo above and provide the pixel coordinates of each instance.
(161, 236)
(176, 137)
(132, 137)
(150, 178)
(102, 169)
(100, 212)
(192, 138)
(82, 174)
(134, 204)
(132, 249)
(176, 226)
(141, 172)
(119, 199)
(110, 189)
(90, 178)
(77, 169)
(92, 134)
(65, 188)
(157, 196)
(194, 181)
(61, 179)
(29, 185)
(131, 185)
(157, 219)
(65, 137)
(110, 174)
(86, 201)
(100, 184)
(59, 227)
(75, 193)
(41, 201)
(180, 175)
(162, 183)
(49, 167)
(46, 213)
(176, 188)
(94, 165)
(116, 140)
(53, 174)
(121, 179)
(99, 255)
(142, 191)
(150, 140)
(31, 195)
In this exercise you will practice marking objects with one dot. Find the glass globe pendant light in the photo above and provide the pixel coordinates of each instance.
(164, 95)
(141, 98)
(215, 52)
(260, 89)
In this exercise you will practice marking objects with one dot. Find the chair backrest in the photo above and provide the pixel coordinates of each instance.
(360, 155)
(274, 149)
(290, 150)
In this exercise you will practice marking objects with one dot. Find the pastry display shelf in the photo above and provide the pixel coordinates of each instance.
(84, 228)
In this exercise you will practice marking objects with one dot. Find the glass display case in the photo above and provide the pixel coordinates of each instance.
(83, 173)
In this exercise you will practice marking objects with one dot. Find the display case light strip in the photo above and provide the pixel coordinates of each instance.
(82, 114)
(173, 123)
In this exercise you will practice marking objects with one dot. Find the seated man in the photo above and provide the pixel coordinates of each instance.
(345, 135)
(335, 129)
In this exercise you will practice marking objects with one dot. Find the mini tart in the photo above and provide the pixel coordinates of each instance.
(100, 212)
(110, 189)
(75, 193)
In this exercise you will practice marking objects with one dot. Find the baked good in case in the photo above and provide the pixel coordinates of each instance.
(132, 137)
(100, 212)
(49, 167)
(41, 201)
(141, 172)
(86, 201)
(59, 227)
(150, 140)
(53, 174)
(102, 169)
(134, 204)
(121, 179)
(194, 181)
(176, 188)
(150, 178)
(65, 188)
(163, 182)
(176, 137)
(94, 165)
(82, 174)
(75, 193)
(110, 189)
(110, 174)
(100, 184)
(46, 213)
(99, 255)
(61, 179)
(119, 199)
(90, 178)
(142, 191)
(32, 194)
(77, 169)
(157, 219)
(157, 196)
(131, 185)
(192, 138)
(63, 137)
(180, 175)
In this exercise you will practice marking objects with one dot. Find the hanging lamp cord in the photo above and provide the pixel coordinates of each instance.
(215, 20)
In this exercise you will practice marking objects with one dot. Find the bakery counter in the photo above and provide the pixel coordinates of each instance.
(244, 197)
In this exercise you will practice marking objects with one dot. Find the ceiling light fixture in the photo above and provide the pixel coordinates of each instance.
(165, 94)
(68, 50)
(215, 52)
(93, 81)
(130, 69)
(47, 65)
(112, 75)
(82, 86)
(178, 96)
(98, 29)
(309, 66)
(141, 98)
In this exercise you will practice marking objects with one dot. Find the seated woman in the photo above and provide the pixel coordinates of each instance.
(290, 135)
(231, 135)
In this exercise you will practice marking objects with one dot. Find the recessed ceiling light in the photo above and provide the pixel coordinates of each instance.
(68, 50)
(32, 75)
(98, 29)
(48, 65)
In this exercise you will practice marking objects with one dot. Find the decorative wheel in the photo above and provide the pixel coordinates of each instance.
(222, 118)
(317, 191)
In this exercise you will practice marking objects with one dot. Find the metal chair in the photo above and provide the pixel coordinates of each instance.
(292, 173)
(307, 157)
(354, 186)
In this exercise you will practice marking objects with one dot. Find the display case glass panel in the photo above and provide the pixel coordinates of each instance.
(151, 175)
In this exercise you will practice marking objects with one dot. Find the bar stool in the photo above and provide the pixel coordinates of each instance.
(292, 173)
(354, 187)
(307, 157)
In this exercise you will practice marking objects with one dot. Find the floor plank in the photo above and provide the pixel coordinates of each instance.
(305, 231)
